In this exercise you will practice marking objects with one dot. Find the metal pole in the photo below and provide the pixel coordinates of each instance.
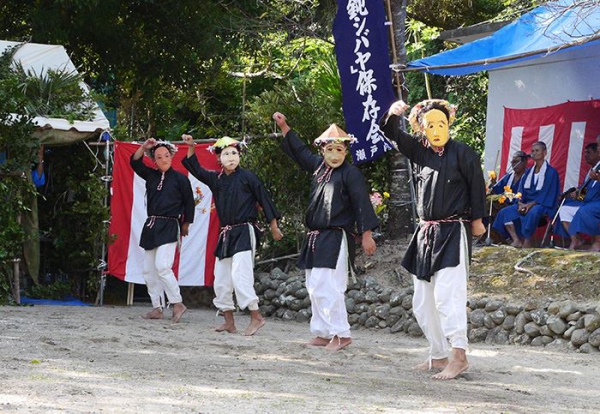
(488, 239)
(102, 266)
(205, 140)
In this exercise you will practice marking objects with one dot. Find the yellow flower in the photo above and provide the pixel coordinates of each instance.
(502, 199)
(492, 175)
(507, 189)
(386, 194)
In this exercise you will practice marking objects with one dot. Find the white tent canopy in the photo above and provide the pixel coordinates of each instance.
(39, 58)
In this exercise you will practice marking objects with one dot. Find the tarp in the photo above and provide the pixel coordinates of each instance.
(548, 29)
(195, 261)
(55, 131)
(67, 301)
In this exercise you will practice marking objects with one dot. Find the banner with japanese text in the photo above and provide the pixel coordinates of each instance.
(361, 47)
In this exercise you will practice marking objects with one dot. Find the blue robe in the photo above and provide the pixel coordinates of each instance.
(587, 218)
(498, 188)
(546, 199)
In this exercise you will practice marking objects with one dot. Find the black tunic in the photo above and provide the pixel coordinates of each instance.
(450, 186)
(167, 207)
(340, 203)
(237, 197)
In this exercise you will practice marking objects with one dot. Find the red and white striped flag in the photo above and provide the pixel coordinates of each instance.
(565, 129)
(194, 264)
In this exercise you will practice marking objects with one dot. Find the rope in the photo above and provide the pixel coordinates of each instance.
(427, 224)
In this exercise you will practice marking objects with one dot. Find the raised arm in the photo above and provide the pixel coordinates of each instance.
(295, 148)
(390, 125)
(148, 144)
(281, 122)
(192, 164)
(189, 140)
(136, 162)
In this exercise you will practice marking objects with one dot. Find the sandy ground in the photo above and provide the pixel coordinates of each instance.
(92, 360)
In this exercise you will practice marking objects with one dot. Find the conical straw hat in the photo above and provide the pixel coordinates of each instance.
(334, 134)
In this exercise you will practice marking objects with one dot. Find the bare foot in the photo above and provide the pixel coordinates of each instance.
(595, 247)
(155, 313)
(452, 370)
(255, 324)
(338, 343)
(178, 310)
(226, 327)
(435, 364)
(229, 325)
(517, 243)
(318, 341)
(575, 243)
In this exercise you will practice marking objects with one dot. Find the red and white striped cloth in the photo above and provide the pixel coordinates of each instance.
(194, 264)
(565, 129)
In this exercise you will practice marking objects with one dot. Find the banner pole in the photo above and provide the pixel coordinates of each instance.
(399, 84)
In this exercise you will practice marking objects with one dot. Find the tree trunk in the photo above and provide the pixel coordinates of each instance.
(401, 215)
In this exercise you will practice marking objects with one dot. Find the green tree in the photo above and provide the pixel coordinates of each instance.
(18, 146)
(316, 86)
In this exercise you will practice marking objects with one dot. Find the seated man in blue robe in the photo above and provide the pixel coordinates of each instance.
(512, 178)
(581, 212)
(540, 189)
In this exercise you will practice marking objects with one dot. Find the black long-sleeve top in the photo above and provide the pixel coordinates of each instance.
(338, 203)
(449, 187)
(237, 197)
(167, 208)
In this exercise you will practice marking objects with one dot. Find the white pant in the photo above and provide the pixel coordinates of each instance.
(326, 288)
(236, 273)
(440, 305)
(567, 213)
(159, 275)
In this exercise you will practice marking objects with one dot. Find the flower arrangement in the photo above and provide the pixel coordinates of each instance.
(506, 195)
(492, 177)
(172, 148)
(377, 200)
(225, 142)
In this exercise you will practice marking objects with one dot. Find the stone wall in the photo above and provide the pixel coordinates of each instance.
(370, 305)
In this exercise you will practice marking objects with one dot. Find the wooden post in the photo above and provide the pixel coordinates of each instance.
(402, 214)
(130, 289)
(16, 281)
(17, 275)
